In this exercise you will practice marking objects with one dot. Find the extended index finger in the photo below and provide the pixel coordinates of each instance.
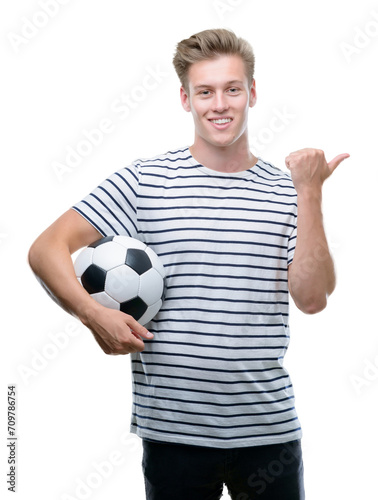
(137, 328)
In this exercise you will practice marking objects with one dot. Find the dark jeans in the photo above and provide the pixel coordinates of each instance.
(180, 472)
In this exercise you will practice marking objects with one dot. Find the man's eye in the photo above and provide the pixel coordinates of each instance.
(234, 90)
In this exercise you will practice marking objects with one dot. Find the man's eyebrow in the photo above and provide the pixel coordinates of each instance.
(205, 86)
(233, 82)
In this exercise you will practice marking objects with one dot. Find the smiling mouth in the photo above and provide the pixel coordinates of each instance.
(221, 121)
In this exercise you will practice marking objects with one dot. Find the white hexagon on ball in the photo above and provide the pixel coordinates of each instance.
(122, 283)
(106, 301)
(109, 255)
(128, 242)
(150, 313)
(83, 261)
(151, 286)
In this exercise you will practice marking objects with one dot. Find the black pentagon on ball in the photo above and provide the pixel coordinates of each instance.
(134, 307)
(93, 279)
(138, 260)
(101, 241)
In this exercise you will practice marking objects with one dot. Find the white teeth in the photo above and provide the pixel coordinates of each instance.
(221, 121)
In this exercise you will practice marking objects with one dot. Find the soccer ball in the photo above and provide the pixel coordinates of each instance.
(124, 274)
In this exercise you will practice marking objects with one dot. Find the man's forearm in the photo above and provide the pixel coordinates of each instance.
(312, 273)
(52, 265)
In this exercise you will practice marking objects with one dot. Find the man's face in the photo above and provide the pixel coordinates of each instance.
(219, 98)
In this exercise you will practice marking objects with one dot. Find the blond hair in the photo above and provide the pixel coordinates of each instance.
(210, 44)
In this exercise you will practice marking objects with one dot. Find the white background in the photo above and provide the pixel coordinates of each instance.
(314, 65)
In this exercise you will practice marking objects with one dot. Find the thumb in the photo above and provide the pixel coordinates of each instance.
(333, 164)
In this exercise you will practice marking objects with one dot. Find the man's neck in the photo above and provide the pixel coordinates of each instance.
(228, 159)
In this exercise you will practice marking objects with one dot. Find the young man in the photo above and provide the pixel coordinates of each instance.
(212, 401)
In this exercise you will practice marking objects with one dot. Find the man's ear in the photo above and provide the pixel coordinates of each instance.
(252, 94)
(185, 99)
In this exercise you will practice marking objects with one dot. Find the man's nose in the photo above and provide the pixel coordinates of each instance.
(220, 102)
